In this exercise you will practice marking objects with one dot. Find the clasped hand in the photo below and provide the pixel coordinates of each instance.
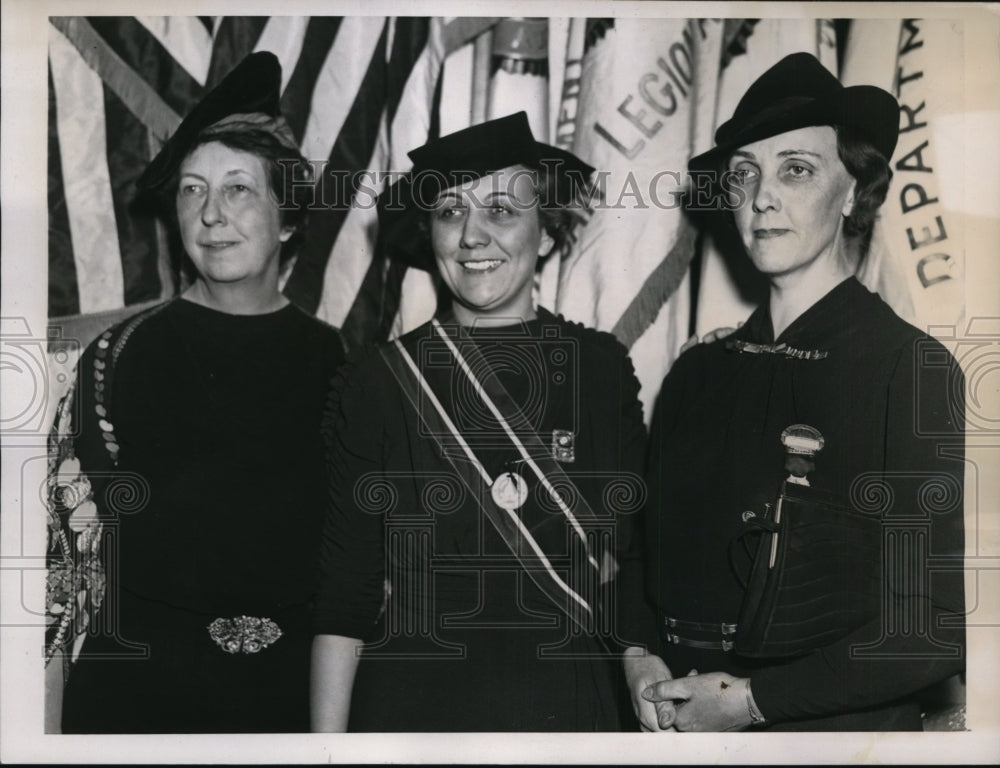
(715, 701)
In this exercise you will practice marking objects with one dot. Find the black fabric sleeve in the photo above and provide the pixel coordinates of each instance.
(919, 639)
(640, 624)
(351, 589)
(635, 617)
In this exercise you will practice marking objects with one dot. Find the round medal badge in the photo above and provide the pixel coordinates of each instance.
(509, 491)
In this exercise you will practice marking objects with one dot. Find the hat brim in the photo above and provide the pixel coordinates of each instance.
(253, 86)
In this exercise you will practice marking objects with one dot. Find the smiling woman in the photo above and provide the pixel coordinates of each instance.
(204, 413)
(487, 237)
(473, 526)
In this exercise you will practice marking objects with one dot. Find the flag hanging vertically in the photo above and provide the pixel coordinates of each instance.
(869, 61)
(916, 259)
(634, 124)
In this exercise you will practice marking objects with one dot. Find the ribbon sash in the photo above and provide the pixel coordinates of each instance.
(578, 594)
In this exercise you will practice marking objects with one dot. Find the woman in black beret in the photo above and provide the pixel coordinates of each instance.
(824, 382)
(481, 470)
(188, 466)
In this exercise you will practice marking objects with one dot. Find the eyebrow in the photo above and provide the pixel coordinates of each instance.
(782, 153)
(492, 196)
(233, 172)
(787, 152)
(457, 196)
(446, 195)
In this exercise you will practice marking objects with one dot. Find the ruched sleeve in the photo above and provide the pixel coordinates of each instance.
(351, 589)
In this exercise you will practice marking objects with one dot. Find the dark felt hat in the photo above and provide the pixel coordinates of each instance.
(799, 92)
(254, 86)
(461, 157)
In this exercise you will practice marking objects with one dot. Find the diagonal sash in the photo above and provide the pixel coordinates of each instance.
(578, 594)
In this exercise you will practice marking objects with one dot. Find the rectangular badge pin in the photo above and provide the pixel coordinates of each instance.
(563, 446)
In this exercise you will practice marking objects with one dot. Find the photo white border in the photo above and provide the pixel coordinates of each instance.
(23, 138)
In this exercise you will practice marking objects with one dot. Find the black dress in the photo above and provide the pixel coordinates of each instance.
(889, 402)
(216, 434)
(462, 639)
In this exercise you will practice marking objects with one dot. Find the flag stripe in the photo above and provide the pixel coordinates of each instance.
(86, 178)
(64, 298)
(296, 99)
(434, 129)
(339, 83)
(414, 65)
(147, 56)
(350, 262)
(409, 43)
(409, 297)
(657, 288)
(127, 154)
(235, 39)
(185, 39)
(138, 95)
(351, 153)
(284, 37)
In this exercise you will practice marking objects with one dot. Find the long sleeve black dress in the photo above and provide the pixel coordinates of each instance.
(889, 402)
(459, 637)
(216, 454)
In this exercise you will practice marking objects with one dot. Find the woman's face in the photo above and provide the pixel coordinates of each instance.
(794, 191)
(487, 236)
(229, 219)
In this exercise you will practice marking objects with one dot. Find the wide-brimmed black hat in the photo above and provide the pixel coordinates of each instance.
(799, 92)
(465, 156)
(252, 88)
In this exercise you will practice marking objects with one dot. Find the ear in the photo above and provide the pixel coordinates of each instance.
(849, 202)
(286, 233)
(546, 243)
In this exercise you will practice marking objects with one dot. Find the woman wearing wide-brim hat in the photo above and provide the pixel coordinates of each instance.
(803, 168)
(480, 469)
(189, 461)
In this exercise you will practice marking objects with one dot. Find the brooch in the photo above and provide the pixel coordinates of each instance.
(776, 349)
(563, 448)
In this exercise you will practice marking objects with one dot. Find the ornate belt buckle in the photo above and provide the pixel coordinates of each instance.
(244, 634)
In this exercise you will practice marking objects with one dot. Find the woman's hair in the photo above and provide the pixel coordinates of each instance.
(872, 174)
(289, 176)
(554, 213)
(556, 217)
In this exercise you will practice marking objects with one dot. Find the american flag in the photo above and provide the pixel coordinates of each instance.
(358, 92)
